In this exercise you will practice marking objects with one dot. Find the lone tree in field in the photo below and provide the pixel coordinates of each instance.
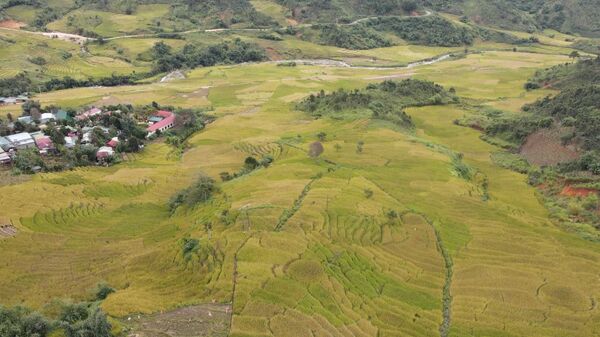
(315, 149)
(574, 54)
(322, 136)
(359, 146)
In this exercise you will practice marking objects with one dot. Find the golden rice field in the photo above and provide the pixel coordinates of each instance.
(299, 248)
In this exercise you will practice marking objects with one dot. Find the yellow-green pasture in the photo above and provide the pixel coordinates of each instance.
(109, 24)
(63, 58)
(301, 248)
(272, 9)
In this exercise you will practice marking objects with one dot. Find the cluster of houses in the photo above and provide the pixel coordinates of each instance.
(11, 144)
(21, 141)
(13, 100)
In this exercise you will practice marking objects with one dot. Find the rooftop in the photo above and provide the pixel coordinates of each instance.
(168, 116)
(20, 137)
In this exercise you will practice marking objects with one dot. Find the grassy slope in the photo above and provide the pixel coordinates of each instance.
(106, 24)
(337, 266)
(18, 47)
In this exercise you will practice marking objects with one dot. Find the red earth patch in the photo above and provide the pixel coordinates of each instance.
(12, 24)
(570, 191)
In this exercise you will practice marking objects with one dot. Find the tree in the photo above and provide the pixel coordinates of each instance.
(409, 6)
(322, 136)
(27, 160)
(337, 147)
(574, 54)
(225, 176)
(359, 146)
(160, 49)
(251, 163)
(22, 322)
(79, 320)
(103, 290)
(201, 191)
(29, 105)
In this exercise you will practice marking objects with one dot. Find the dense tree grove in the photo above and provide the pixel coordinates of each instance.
(200, 191)
(75, 320)
(192, 56)
(328, 11)
(15, 86)
(385, 100)
(22, 322)
(351, 37)
(431, 30)
(22, 83)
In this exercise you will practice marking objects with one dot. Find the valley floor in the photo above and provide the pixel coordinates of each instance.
(300, 248)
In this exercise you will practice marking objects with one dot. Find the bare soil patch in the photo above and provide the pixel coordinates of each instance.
(571, 191)
(12, 24)
(7, 231)
(8, 178)
(273, 55)
(194, 321)
(545, 147)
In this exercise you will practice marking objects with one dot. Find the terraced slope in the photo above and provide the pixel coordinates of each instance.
(301, 248)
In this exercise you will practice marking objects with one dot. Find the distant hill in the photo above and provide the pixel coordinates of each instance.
(573, 114)
(569, 16)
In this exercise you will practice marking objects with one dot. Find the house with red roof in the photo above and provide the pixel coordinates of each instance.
(90, 113)
(113, 142)
(104, 153)
(44, 144)
(160, 122)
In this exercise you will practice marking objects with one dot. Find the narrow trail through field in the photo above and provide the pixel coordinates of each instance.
(448, 271)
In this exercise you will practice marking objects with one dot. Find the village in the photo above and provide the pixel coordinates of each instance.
(91, 136)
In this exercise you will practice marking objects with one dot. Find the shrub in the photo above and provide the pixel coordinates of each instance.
(85, 320)
(359, 146)
(189, 246)
(201, 191)
(40, 61)
(461, 169)
(22, 322)
(103, 290)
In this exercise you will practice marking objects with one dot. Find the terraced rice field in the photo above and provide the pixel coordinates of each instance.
(62, 58)
(299, 248)
(113, 24)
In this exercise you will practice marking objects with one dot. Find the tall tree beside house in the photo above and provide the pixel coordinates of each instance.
(27, 160)
(30, 106)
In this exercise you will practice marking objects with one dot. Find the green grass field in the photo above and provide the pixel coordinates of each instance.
(301, 249)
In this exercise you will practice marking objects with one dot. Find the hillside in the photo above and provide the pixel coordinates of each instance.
(291, 168)
(111, 17)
